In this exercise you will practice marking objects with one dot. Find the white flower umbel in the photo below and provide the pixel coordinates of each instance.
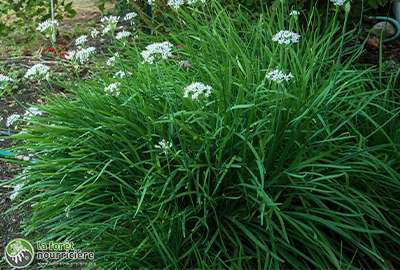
(38, 72)
(83, 55)
(121, 74)
(110, 24)
(150, 2)
(338, 3)
(113, 89)
(286, 37)
(278, 76)
(294, 13)
(80, 41)
(163, 145)
(32, 111)
(129, 17)
(123, 35)
(4, 80)
(175, 4)
(47, 25)
(16, 191)
(94, 33)
(49, 29)
(161, 49)
(111, 61)
(12, 119)
(197, 89)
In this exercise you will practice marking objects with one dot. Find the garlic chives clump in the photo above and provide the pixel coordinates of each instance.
(163, 145)
(113, 89)
(338, 3)
(12, 119)
(38, 71)
(197, 89)
(286, 37)
(278, 76)
(80, 41)
(123, 35)
(161, 49)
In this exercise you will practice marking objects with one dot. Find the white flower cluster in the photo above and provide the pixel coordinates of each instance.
(81, 56)
(4, 80)
(338, 3)
(286, 37)
(110, 24)
(38, 71)
(12, 119)
(278, 76)
(16, 191)
(129, 17)
(48, 25)
(111, 61)
(32, 111)
(80, 41)
(176, 3)
(197, 89)
(123, 35)
(113, 88)
(163, 145)
(294, 13)
(94, 33)
(161, 49)
(121, 74)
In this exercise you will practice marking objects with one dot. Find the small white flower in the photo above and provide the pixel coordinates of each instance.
(38, 71)
(121, 74)
(32, 111)
(161, 49)
(111, 61)
(278, 76)
(110, 19)
(123, 34)
(47, 25)
(129, 17)
(94, 33)
(16, 191)
(175, 4)
(70, 55)
(12, 119)
(4, 78)
(197, 89)
(163, 145)
(150, 2)
(338, 3)
(286, 37)
(192, 2)
(113, 88)
(81, 56)
(294, 13)
(80, 41)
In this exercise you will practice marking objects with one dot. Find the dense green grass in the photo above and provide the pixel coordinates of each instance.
(298, 175)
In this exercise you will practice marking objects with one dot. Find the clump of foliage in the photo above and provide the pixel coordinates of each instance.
(293, 174)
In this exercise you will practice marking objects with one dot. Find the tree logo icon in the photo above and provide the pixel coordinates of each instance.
(19, 253)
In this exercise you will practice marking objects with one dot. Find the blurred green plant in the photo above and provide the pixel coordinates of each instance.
(25, 14)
